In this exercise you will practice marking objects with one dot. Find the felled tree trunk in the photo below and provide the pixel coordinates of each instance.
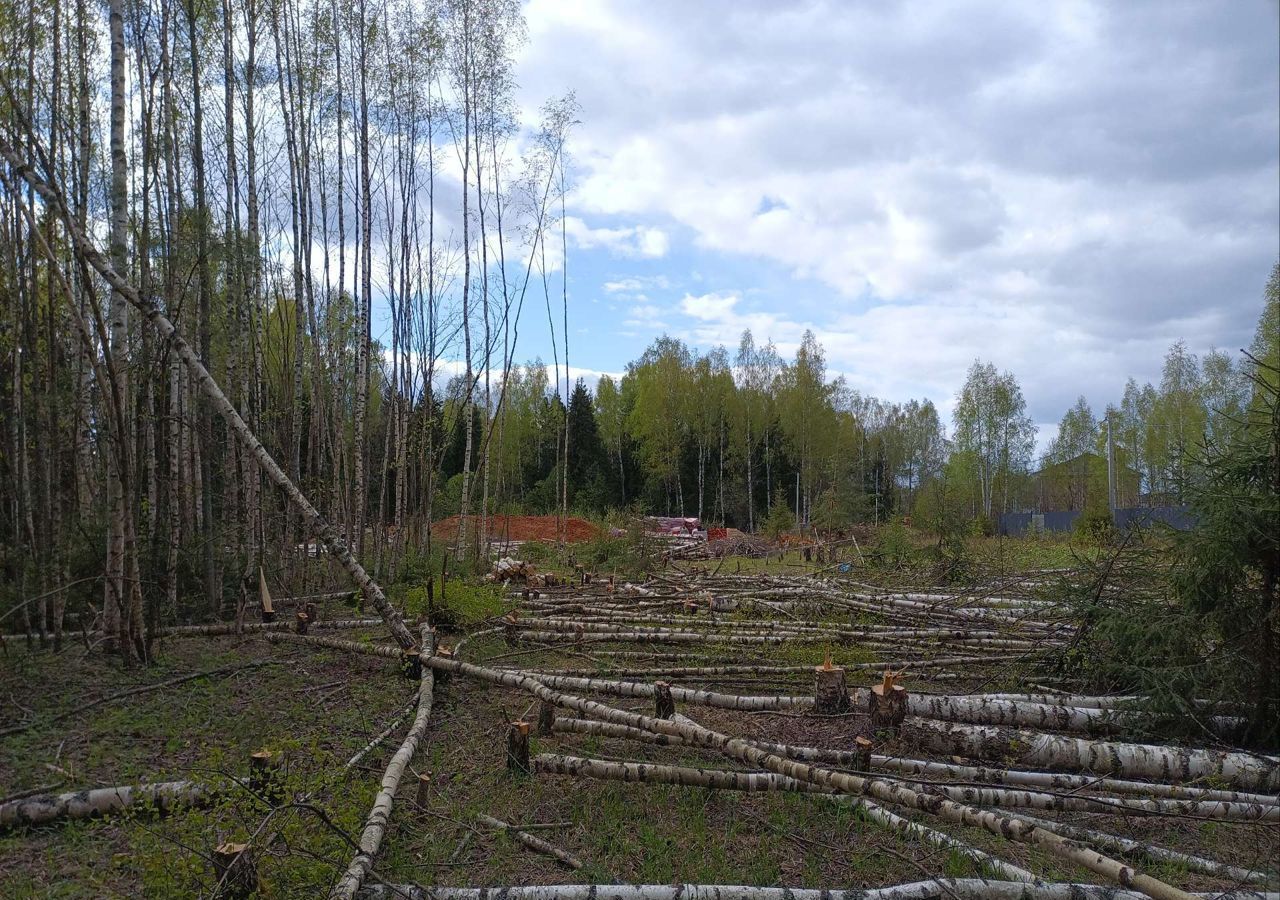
(1159, 798)
(932, 889)
(375, 825)
(532, 842)
(161, 798)
(336, 644)
(1247, 771)
(555, 764)
(841, 781)
(1150, 851)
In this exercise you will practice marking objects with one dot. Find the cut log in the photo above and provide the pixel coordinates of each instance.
(844, 782)
(375, 826)
(933, 889)
(1160, 799)
(651, 773)
(1245, 771)
(532, 842)
(160, 797)
(1151, 852)
(317, 640)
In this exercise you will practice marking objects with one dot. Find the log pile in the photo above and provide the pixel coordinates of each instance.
(1011, 763)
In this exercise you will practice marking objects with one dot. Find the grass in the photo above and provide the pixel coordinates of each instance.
(320, 706)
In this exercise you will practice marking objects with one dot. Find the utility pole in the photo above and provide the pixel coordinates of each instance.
(799, 514)
(1111, 470)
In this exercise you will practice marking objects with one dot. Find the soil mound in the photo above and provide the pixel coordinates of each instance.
(520, 528)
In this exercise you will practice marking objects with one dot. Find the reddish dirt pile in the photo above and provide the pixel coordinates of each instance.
(520, 528)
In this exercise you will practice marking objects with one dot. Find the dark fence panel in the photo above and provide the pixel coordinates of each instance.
(1015, 524)
(1061, 521)
(1022, 523)
(1178, 517)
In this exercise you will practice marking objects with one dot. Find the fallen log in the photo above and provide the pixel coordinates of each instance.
(909, 665)
(844, 782)
(933, 889)
(1243, 807)
(1246, 771)
(159, 797)
(760, 781)
(683, 637)
(1152, 852)
(376, 822)
(384, 650)
(964, 709)
(532, 842)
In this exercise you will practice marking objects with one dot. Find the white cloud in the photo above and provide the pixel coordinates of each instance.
(709, 307)
(1063, 189)
(638, 241)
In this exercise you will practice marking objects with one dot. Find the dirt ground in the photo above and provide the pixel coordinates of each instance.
(521, 528)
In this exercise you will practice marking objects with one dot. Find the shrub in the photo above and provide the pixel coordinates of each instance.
(780, 519)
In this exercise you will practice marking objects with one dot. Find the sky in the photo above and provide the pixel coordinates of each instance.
(1063, 189)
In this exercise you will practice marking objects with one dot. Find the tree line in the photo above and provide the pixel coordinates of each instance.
(274, 176)
(728, 437)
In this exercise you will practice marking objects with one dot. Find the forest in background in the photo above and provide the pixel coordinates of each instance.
(202, 142)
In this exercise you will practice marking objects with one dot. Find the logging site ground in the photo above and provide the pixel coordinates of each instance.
(931, 689)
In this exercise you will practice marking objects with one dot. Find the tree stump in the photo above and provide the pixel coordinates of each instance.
(518, 747)
(862, 753)
(264, 775)
(830, 689)
(312, 611)
(300, 622)
(664, 705)
(268, 616)
(234, 869)
(424, 790)
(411, 664)
(509, 632)
(887, 703)
(546, 718)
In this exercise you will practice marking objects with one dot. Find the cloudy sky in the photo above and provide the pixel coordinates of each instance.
(1061, 188)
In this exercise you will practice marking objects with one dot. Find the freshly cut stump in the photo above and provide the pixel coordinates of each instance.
(887, 703)
(234, 869)
(518, 747)
(830, 689)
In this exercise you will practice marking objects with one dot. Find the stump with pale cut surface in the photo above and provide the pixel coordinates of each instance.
(887, 704)
(830, 690)
(518, 747)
